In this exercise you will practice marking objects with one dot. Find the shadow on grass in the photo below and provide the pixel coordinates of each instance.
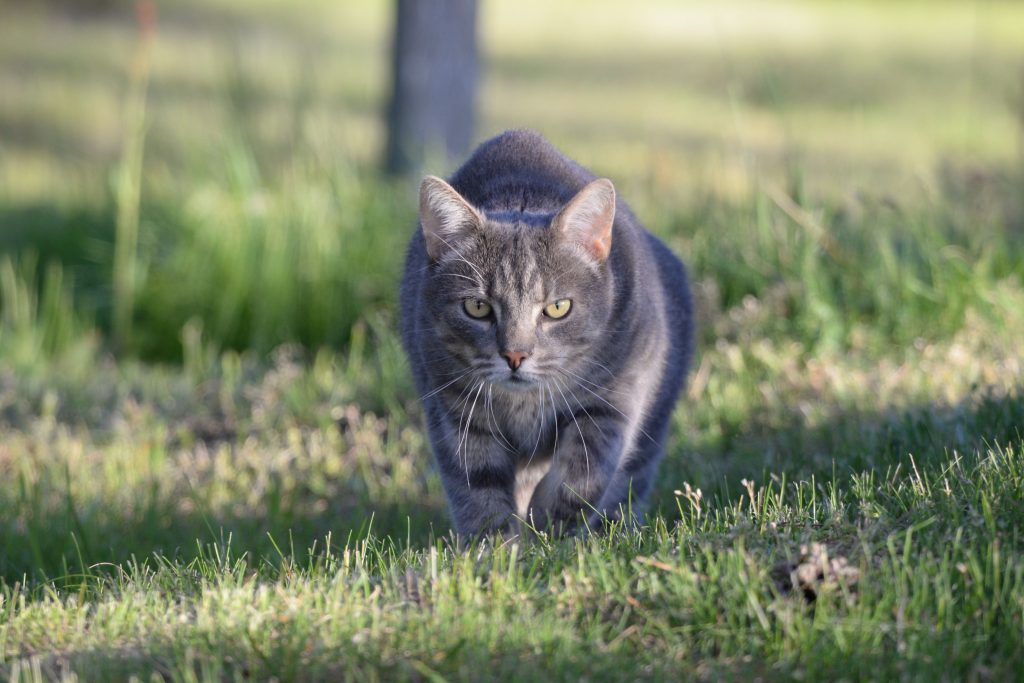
(66, 539)
(846, 444)
(66, 546)
(135, 463)
(341, 656)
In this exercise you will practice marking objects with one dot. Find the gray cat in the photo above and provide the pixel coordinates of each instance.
(549, 335)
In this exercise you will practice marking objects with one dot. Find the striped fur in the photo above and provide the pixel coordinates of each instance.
(578, 429)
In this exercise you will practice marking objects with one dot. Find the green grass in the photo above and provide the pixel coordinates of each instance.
(699, 594)
(234, 484)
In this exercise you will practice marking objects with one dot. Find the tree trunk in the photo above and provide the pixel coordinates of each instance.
(434, 77)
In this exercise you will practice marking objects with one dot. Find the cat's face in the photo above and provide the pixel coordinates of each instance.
(518, 303)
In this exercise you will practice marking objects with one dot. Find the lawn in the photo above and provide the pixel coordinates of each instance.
(212, 462)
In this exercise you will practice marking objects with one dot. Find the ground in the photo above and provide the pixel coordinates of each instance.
(231, 480)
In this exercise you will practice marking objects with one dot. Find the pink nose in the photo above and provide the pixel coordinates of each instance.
(514, 358)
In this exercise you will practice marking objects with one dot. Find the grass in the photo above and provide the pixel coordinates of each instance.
(239, 486)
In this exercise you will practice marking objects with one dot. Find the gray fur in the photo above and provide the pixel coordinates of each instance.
(581, 425)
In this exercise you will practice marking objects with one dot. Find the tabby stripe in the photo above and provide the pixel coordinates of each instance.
(596, 412)
(475, 428)
(480, 476)
(491, 477)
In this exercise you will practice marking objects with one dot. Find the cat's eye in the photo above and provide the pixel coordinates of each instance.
(476, 308)
(558, 309)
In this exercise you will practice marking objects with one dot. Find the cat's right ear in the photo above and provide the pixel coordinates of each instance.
(445, 216)
(588, 218)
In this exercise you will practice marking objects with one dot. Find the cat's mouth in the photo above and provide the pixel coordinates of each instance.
(515, 381)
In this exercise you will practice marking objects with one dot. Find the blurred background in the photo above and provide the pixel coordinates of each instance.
(236, 148)
(204, 207)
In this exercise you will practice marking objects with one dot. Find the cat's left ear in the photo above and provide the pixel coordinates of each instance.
(445, 215)
(588, 217)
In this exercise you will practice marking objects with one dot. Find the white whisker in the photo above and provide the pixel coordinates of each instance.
(540, 423)
(613, 407)
(599, 387)
(444, 386)
(462, 258)
(462, 398)
(600, 365)
(586, 455)
(554, 412)
(462, 416)
(583, 408)
(492, 421)
(464, 277)
(464, 441)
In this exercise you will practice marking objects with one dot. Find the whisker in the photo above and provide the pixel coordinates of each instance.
(459, 400)
(569, 374)
(469, 422)
(600, 365)
(586, 455)
(462, 416)
(464, 277)
(462, 398)
(583, 408)
(462, 258)
(599, 387)
(434, 366)
(551, 395)
(540, 424)
(491, 425)
(444, 386)
(427, 267)
(612, 406)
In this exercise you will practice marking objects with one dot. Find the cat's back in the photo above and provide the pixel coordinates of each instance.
(519, 170)
(678, 302)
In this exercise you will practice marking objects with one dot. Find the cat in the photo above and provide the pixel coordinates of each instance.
(549, 335)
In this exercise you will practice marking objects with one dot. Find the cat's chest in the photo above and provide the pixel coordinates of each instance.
(523, 420)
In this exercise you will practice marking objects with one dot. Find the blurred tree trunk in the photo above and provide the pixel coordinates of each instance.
(434, 79)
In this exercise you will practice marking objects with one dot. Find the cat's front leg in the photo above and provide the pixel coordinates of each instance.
(584, 461)
(479, 479)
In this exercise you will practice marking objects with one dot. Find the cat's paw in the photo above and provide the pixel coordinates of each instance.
(610, 522)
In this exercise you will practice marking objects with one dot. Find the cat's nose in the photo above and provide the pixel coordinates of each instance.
(514, 358)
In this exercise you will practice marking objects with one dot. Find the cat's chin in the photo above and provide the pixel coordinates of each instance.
(515, 382)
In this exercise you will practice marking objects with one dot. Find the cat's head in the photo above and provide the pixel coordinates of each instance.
(518, 298)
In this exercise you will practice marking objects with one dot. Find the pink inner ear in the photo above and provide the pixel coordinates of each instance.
(444, 215)
(588, 218)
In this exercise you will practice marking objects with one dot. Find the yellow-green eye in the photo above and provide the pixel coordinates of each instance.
(476, 308)
(559, 309)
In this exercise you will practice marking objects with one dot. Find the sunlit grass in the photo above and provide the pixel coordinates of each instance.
(934, 589)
